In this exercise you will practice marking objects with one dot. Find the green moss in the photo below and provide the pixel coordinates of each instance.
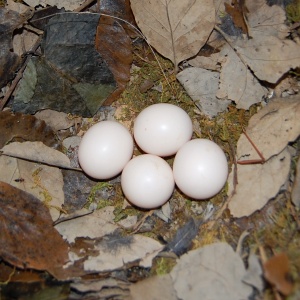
(163, 265)
(293, 11)
(93, 198)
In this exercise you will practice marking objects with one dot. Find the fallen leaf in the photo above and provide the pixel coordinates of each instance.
(157, 287)
(216, 263)
(24, 42)
(56, 120)
(97, 224)
(27, 237)
(254, 273)
(210, 62)
(164, 212)
(9, 61)
(67, 4)
(107, 288)
(268, 56)
(202, 86)
(237, 14)
(271, 129)
(41, 17)
(266, 20)
(19, 127)
(70, 75)
(176, 29)
(129, 222)
(25, 276)
(276, 270)
(116, 251)
(260, 182)
(44, 183)
(120, 9)
(114, 45)
(19, 8)
(237, 83)
(37, 152)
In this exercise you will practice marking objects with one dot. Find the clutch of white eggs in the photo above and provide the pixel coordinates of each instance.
(200, 166)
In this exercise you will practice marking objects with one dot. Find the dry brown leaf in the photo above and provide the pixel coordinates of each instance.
(237, 83)
(202, 85)
(67, 4)
(55, 119)
(216, 263)
(24, 42)
(20, 127)
(177, 29)
(115, 251)
(37, 152)
(114, 45)
(237, 13)
(206, 62)
(106, 288)
(271, 129)
(9, 61)
(257, 184)
(94, 225)
(266, 20)
(268, 56)
(157, 287)
(42, 182)
(276, 271)
(27, 237)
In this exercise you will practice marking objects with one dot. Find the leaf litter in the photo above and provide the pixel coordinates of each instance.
(26, 225)
(227, 87)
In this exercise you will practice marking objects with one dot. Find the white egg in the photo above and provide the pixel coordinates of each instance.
(200, 169)
(147, 181)
(161, 129)
(105, 149)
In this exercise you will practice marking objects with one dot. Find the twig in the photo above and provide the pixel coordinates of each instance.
(240, 242)
(19, 74)
(253, 161)
(41, 162)
(235, 175)
(71, 217)
(139, 224)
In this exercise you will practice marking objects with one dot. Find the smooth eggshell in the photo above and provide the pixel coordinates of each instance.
(200, 169)
(162, 128)
(147, 181)
(105, 149)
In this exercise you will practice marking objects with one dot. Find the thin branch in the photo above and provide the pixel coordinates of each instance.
(253, 161)
(72, 216)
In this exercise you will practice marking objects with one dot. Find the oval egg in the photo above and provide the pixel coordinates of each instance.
(105, 149)
(200, 169)
(147, 181)
(161, 129)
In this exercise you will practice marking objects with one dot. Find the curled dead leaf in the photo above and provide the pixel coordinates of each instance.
(27, 236)
(276, 271)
